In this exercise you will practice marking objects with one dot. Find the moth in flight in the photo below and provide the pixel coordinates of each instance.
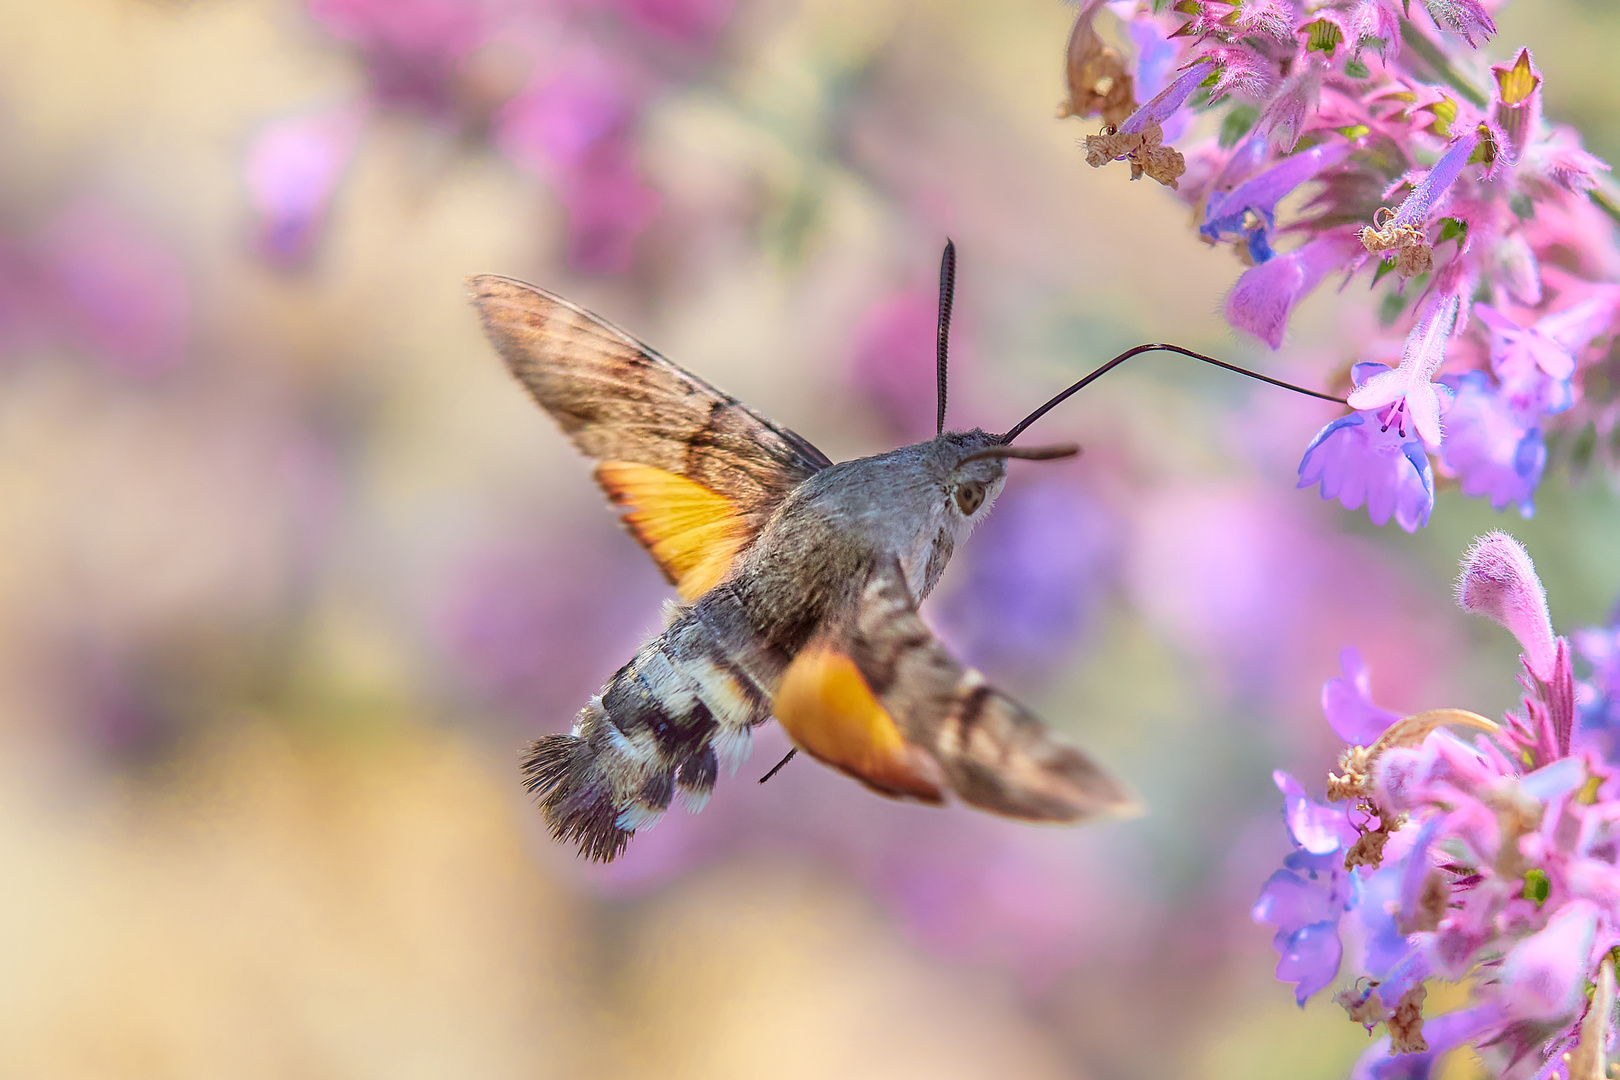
(799, 582)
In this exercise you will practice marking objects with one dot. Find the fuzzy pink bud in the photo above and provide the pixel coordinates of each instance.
(1499, 582)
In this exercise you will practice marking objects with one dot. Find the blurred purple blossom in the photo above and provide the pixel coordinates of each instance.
(293, 167)
(573, 127)
(1599, 696)
(1490, 446)
(552, 84)
(1037, 571)
(93, 279)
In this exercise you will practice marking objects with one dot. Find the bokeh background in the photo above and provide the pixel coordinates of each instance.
(290, 570)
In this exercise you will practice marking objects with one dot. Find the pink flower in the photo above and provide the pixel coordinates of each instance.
(293, 166)
(1265, 295)
(1543, 977)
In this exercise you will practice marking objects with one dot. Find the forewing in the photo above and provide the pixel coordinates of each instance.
(890, 679)
(699, 471)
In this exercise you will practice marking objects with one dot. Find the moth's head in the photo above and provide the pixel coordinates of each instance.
(973, 468)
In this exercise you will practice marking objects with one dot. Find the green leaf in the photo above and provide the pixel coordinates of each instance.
(1236, 124)
(1355, 69)
(1537, 887)
(1354, 131)
(1451, 228)
(1523, 206)
(1211, 79)
(1384, 266)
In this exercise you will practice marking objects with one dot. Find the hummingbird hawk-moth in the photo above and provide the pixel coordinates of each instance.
(799, 582)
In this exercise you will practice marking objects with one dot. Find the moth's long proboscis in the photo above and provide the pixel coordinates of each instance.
(1018, 428)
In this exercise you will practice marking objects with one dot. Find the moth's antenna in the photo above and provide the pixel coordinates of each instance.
(1019, 427)
(947, 290)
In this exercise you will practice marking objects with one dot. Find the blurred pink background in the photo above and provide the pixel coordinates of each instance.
(290, 570)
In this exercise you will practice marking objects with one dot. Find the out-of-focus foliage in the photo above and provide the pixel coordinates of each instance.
(290, 570)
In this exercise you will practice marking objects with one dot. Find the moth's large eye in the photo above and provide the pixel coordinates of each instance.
(969, 497)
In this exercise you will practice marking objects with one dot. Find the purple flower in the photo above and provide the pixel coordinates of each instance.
(1359, 459)
(1223, 217)
(572, 127)
(1347, 703)
(1299, 96)
(1169, 99)
(1442, 1033)
(1306, 899)
(1490, 447)
(1376, 24)
(1411, 387)
(411, 47)
(1499, 861)
(1538, 361)
(1264, 297)
(1406, 230)
(693, 22)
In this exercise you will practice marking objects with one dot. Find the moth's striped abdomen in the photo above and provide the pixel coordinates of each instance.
(661, 729)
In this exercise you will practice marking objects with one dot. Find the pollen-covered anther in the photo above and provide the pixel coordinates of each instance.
(1356, 768)
(1364, 1006)
(1145, 150)
(1413, 255)
(1368, 850)
(1110, 144)
(1406, 1023)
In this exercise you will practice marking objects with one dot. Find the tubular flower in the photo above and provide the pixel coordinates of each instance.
(1372, 457)
(1410, 388)
(1362, 114)
(1494, 861)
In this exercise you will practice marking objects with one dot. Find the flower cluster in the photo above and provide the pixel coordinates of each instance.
(1438, 182)
(1494, 862)
(557, 87)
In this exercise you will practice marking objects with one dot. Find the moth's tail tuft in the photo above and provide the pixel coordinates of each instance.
(576, 797)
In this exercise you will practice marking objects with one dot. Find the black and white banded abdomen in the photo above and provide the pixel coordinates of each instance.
(662, 729)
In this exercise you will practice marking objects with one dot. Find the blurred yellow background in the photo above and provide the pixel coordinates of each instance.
(280, 608)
